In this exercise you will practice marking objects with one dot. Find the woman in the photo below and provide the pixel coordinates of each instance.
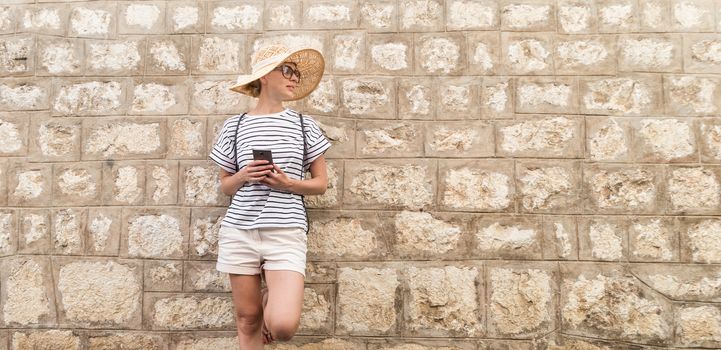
(264, 229)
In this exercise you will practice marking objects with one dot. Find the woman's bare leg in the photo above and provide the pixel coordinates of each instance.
(248, 310)
(285, 302)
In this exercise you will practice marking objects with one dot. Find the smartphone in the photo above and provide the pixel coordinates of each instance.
(264, 155)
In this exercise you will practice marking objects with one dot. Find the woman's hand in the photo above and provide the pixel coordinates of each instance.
(254, 171)
(278, 180)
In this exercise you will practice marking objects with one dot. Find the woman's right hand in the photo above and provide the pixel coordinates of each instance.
(254, 171)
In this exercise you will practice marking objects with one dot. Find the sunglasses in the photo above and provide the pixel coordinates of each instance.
(288, 71)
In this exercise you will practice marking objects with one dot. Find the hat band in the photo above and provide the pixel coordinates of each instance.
(260, 64)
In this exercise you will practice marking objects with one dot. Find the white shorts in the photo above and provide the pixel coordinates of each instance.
(243, 252)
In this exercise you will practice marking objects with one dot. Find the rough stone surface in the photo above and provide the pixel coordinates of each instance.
(26, 299)
(154, 236)
(189, 312)
(418, 231)
(521, 301)
(366, 300)
(699, 326)
(693, 188)
(46, 340)
(342, 238)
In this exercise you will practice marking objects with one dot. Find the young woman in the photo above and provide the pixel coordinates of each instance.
(264, 229)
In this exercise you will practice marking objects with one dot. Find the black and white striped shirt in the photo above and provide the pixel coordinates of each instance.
(256, 205)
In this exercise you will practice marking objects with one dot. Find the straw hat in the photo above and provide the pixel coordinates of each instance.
(309, 63)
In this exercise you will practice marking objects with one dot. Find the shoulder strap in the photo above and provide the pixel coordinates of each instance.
(235, 141)
(305, 146)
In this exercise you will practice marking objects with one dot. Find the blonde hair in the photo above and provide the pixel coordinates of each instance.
(254, 88)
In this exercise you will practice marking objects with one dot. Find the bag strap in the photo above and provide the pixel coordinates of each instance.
(235, 141)
(302, 172)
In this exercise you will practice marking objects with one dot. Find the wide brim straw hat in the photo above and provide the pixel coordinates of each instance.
(309, 63)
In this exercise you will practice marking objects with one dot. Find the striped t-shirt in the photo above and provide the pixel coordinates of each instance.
(256, 205)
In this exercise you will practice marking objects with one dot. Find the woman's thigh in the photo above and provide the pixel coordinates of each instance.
(285, 296)
(246, 296)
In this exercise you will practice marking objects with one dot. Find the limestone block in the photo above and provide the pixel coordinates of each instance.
(209, 95)
(98, 293)
(13, 134)
(54, 139)
(692, 16)
(324, 99)
(688, 95)
(710, 140)
(528, 15)
(295, 39)
(572, 343)
(124, 138)
(478, 185)
(60, 57)
(349, 53)
(67, 231)
(163, 276)
(417, 98)
(698, 325)
(196, 341)
(34, 234)
(52, 339)
(431, 311)
(608, 139)
(187, 138)
(102, 232)
(141, 17)
(459, 139)
(24, 94)
(367, 300)
(154, 233)
(379, 16)
(653, 239)
(93, 20)
(420, 344)
(472, 15)
(609, 303)
(28, 184)
(541, 137)
(440, 54)
(423, 235)
(484, 52)
(17, 55)
(332, 196)
(325, 344)
(317, 314)
(617, 16)
(124, 183)
(320, 272)
(8, 232)
(576, 16)
(421, 15)
(694, 190)
(526, 53)
(497, 98)
(168, 55)
(26, 296)
(161, 183)
(560, 238)
(699, 240)
(457, 98)
(701, 53)
(664, 140)
(340, 133)
(700, 283)
(549, 186)
(650, 53)
(506, 237)
(389, 139)
(371, 97)
(3, 181)
(116, 57)
(45, 19)
(522, 299)
(87, 96)
(204, 227)
(603, 238)
(234, 17)
(200, 184)
(219, 54)
(8, 21)
(4, 340)
(76, 184)
(201, 276)
(622, 189)
(127, 340)
(185, 17)
(159, 96)
(282, 15)
(338, 14)
(174, 311)
(622, 95)
(389, 54)
(343, 237)
(585, 55)
(547, 95)
(654, 16)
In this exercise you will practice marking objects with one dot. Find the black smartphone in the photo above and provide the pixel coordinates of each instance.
(264, 155)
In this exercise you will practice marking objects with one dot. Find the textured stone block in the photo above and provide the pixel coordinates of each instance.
(440, 54)
(166, 311)
(617, 16)
(459, 139)
(650, 53)
(282, 15)
(8, 232)
(472, 15)
(710, 140)
(68, 231)
(395, 139)
(332, 196)
(154, 233)
(367, 300)
(83, 97)
(141, 17)
(559, 136)
(522, 300)
(544, 95)
(506, 237)
(420, 344)
(585, 55)
(576, 16)
(163, 276)
(54, 139)
(372, 97)
(339, 14)
(161, 183)
(28, 185)
(98, 293)
(420, 15)
(102, 232)
(341, 134)
(699, 240)
(219, 54)
(692, 16)
(692, 95)
(389, 54)
(185, 17)
(608, 139)
(346, 237)
(3, 181)
(124, 183)
(478, 185)
(621, 189)
(378, 16)
(549, 186)
(603, 238)
(654, 16)
(653, 239)
(204, 227)
(60, 57)
(124, 138)
(484, 52)
(310, 39)
(24, 94)
(45, 19)
(417, 98)
(693, 190)
(93, 20)
(622, 95)
(116, 57)
(127, 340)
(682, 282)
(8, 22)
(214, 340)
(665, 140)
(698, 325)
(200, 184)
(55, 339)
(457, 99)
(13, 134)
(560, 238)
(26, 296)
(349, 53)
(701, 53)
(168, 55)
(34, 234)
(528, 15)
(201, 276)
(324, 99)
(187, 138)
(317, 314)
(526, 53)
(76, 184)
(321, 272)
(159, 96)
(234, 17)
(212, 95)
(431, 311)
(422, 235)
(497, 98)
(17, 55)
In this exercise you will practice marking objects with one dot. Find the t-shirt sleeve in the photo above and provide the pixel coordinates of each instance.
(317, 142)
(222, 152)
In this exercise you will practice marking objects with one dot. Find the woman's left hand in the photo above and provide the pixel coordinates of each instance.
(277, 180)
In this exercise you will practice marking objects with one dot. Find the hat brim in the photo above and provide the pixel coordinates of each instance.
(309, 62)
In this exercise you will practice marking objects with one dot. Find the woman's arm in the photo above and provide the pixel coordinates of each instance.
(254, 171)
(316, 185)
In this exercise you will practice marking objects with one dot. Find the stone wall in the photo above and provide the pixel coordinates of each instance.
(504, 174)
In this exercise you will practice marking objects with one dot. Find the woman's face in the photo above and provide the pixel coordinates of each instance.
(283, 80)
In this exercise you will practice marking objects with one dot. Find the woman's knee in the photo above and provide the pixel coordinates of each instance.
(248, 322)
(284, 330)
